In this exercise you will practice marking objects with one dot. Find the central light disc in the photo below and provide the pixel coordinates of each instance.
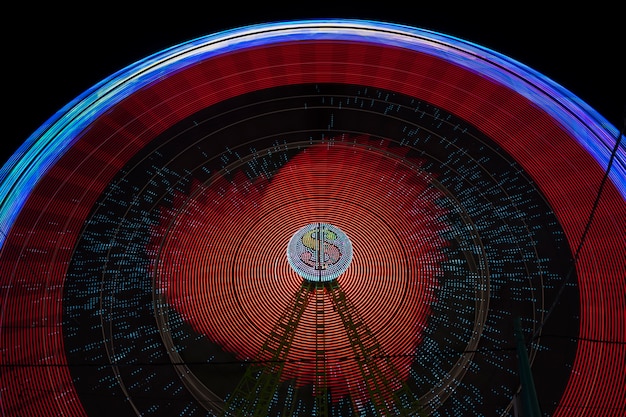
(319, 252)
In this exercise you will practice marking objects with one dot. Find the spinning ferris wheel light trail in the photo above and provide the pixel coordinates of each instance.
(314, 218)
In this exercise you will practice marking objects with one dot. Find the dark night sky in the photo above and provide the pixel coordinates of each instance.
(51, 55)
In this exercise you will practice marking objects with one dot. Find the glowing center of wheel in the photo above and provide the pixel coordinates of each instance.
(319, 252)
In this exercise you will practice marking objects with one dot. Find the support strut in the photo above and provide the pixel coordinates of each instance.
(386, 389)
(253, 396)
(387, 394)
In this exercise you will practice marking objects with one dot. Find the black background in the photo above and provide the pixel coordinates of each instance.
(53, 53)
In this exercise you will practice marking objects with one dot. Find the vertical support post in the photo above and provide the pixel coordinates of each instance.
(530, 404)
(321, 384)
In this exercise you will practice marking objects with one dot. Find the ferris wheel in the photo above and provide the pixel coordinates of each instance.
(321, 217)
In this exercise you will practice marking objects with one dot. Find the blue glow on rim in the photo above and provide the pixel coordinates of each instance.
(45, 146)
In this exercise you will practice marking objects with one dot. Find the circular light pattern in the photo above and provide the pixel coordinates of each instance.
(161, 234)
(319, 252)
(263, 286)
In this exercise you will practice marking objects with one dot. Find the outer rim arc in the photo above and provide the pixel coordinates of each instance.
(108, 93)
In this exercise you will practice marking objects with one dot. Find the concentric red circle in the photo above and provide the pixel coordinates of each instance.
(231, 280)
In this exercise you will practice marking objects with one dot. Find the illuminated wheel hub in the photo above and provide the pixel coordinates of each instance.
(319, 252)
